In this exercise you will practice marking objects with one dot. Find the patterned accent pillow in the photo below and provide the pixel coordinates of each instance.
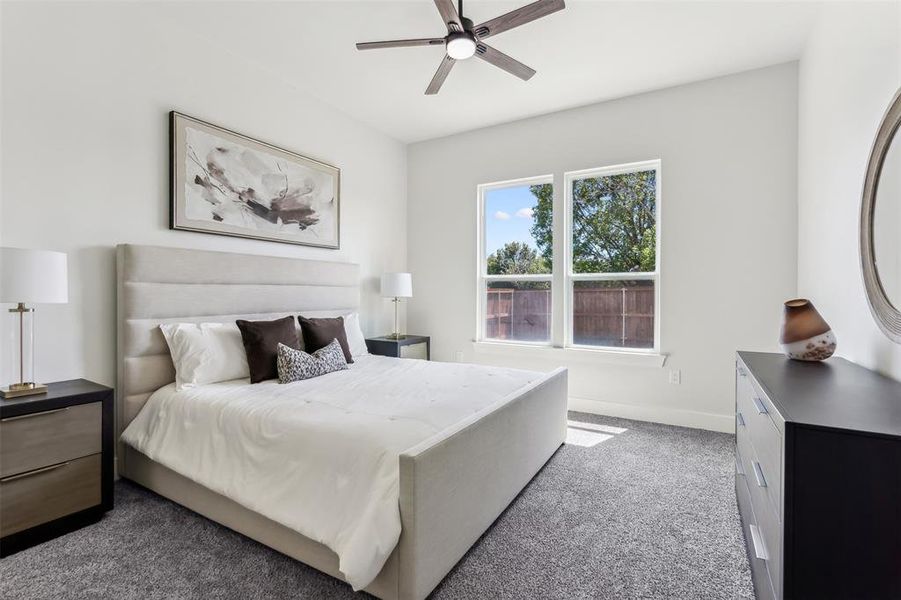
(294, 365)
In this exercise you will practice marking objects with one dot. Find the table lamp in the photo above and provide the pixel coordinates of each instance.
(29, 277)
(397, 286)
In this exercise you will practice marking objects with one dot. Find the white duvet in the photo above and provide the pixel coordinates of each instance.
(319, 456)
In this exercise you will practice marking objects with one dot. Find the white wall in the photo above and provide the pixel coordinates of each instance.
(86, 89)
(729, 234)
(849, 72)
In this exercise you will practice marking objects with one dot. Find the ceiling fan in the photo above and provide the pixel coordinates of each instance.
(464, 40)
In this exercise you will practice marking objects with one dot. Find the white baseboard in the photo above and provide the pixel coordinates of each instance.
(656, 414)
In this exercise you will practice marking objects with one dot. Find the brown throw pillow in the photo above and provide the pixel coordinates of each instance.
(318, 333)
(261, 340)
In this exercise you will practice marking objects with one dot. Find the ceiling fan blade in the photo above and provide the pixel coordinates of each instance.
(518, 17)
(501, 60)
(448, 10)
(400, 43)
(440, 75)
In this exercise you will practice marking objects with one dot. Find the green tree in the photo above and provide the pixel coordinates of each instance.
(614, 225)
(516, 258)
(543, 213)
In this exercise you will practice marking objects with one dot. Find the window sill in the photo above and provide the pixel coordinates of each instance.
(584, 355)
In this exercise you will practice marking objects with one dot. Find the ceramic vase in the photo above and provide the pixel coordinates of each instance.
(805, 334)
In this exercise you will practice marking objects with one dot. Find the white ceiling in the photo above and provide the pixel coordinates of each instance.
(588, 52)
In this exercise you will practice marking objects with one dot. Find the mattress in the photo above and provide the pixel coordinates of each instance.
(318, 456)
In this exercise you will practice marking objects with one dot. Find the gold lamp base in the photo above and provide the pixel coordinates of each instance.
(17, 390)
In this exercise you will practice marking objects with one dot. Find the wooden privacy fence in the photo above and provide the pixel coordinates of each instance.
(619, 317)
(523, 315)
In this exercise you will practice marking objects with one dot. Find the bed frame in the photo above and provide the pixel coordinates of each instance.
(452, 485)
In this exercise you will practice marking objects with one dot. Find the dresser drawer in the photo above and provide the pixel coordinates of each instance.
(742, 433)
(760, 393)
(757, 414)
(759, 574)
(40, 439)
(768, 528)
(45, 494)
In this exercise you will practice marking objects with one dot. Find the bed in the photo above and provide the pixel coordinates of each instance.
(452, 483)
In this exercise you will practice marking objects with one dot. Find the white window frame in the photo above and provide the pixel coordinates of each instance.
(570, 277)
(482, 265)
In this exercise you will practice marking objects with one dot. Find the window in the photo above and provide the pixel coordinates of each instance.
(612, 253)
(607, 260)
(515, 260)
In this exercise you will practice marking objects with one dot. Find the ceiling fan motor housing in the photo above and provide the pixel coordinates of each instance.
(460, 45)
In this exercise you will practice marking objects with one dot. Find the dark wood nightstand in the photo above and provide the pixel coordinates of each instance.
(407, 346)
(56, 462)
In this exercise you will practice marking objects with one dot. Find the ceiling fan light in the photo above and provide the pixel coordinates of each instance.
(460, 47)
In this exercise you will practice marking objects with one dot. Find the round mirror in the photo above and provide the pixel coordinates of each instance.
(887, 224)
(880, 220)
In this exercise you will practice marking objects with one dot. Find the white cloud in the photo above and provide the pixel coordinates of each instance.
(501, 215)
(524, 213)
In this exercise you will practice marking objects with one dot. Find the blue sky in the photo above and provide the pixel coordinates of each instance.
(508, 217)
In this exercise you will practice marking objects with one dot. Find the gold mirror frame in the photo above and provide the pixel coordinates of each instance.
(887, 316)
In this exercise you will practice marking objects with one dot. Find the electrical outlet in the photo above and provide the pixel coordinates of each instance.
(675, 376)
(458, 356)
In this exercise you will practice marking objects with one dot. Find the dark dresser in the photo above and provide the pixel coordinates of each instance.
(56, 462)
(818, 477)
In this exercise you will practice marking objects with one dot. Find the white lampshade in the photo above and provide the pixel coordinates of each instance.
(397, 285)
(33, 276)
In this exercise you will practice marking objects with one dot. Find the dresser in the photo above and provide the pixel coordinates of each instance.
(818, 477)
(56, 462)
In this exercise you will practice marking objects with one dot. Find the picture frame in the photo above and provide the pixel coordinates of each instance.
(227, 183)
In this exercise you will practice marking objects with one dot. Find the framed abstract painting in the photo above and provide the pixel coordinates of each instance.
(229, 184)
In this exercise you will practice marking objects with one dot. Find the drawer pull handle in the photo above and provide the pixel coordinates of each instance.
(758, 474)
(35, 472)
(757, 541)
(761, 407)
(740, 418)
(37, 414)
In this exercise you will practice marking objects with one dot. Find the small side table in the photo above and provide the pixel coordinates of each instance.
(56, 462)
(407, 346)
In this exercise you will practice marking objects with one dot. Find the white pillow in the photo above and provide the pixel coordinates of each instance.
(205, 352)
(356, 341)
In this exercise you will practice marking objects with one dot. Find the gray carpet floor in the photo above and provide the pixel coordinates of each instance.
(648, 513)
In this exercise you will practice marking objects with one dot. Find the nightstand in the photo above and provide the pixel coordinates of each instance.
(408, 346)
(56, 462)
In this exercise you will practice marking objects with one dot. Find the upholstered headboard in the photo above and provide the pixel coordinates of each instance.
(159, 285)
